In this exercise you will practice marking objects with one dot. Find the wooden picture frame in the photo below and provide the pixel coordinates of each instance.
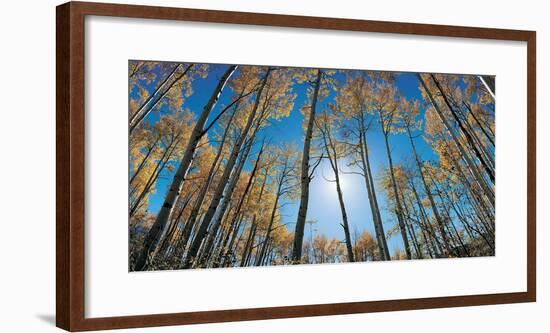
(71, 162)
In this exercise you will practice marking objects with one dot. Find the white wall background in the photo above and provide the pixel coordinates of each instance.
(27, 165)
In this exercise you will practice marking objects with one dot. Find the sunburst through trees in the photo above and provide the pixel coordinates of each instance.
(238, 166)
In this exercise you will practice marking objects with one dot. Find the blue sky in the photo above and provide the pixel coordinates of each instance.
(323, 204)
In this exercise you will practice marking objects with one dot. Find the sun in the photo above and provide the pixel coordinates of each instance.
(325, 176)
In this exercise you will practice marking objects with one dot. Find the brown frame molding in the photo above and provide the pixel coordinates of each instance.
(71, 162)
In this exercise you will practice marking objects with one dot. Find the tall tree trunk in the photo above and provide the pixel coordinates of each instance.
(410, 227)
(305, 178)
(333, 159)
(398, 208)
(209, 215)
(260, 196)
(163, 215)
(138, 117)
(371, 191)
(345, 223)
(248, 246)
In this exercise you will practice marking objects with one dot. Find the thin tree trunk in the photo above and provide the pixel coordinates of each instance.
(489, 136)
(305, 178)
(260, 196)
(264, 256)
(136, 69)
(475, 136)
(139, 116)
(333, 159)
(438, 218)
(410, 227)
(231, 252)
(461, 215)
(248, 245)
(144, 160)
(371, 191)
(232, 231)
(398, 208)
(166, 79)
(230, 248)
(159, 167)
(252, 247)
(459, 238)
(421, 225)
(426, 219)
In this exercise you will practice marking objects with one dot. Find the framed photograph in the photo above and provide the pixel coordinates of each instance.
(224, 166)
